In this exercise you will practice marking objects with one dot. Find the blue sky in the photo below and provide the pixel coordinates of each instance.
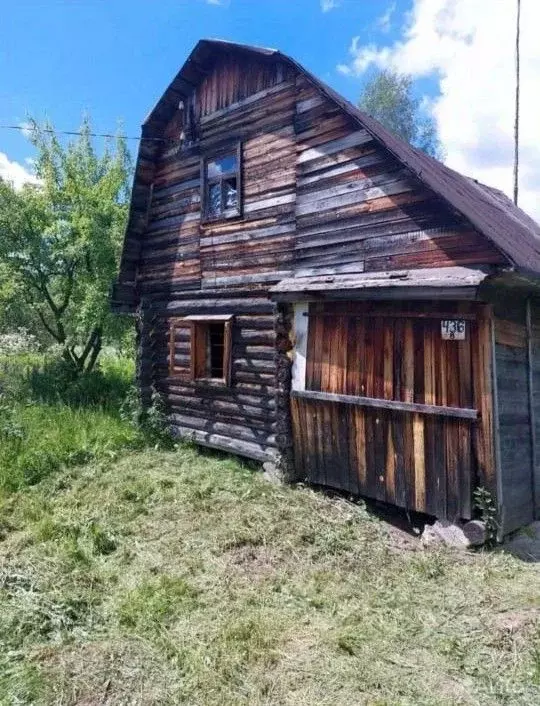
(113, 58)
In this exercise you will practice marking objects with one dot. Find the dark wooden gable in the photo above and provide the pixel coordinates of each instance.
(353, 196)
(247, 106)
(359, 208)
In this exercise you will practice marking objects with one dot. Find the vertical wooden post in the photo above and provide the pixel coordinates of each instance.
(483, 364)
(532, 421)
(497, 439)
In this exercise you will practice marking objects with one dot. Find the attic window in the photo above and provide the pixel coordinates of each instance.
(221, 185)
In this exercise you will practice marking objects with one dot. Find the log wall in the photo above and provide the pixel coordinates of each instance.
(240, 417)
(258, 247)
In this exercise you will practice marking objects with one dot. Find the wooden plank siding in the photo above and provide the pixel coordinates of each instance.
(414, 445)
(513, 411)
(358, 208)
(258, 248)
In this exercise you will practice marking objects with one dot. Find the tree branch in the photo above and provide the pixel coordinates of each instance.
(69, 290)
(56, 335)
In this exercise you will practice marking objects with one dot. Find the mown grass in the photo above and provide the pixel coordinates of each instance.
(184, 578)
(130, 575)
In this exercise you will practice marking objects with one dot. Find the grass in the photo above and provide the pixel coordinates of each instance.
(50, 420)
(183, 577)
(130, 575)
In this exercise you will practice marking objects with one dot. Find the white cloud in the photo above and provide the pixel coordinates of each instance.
(16, 173)
(327, 5)
(468, 47)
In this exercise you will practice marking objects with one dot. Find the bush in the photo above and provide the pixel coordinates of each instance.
(19, 342)
(50, 418)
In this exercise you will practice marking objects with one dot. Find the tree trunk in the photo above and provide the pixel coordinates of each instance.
(86, 361)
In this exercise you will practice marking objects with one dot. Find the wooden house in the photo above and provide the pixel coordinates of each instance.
(312, 291)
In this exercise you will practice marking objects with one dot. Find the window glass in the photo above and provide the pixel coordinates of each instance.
(221, 166)
(230, 193)
(222, 187)
(214, 199)
(216, 348)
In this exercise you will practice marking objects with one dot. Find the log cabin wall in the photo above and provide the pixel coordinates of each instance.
(188, 267)
(258, 248)
(358, 209)
(241, 417)
(517, 361)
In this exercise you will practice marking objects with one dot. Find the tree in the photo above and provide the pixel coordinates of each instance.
(60, 241)
(388, 97)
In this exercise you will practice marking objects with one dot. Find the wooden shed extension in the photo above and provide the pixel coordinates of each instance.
(385, 407)
(354, 310)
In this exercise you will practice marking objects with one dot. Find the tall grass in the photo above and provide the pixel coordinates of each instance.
(50, 418)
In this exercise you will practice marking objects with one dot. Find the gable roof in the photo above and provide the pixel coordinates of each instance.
(511, 230)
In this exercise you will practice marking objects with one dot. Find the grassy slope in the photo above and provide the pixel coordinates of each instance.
(170, 578)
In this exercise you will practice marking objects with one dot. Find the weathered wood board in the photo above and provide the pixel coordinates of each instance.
(416, 445)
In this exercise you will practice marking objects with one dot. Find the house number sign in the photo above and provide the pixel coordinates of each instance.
(453, 329)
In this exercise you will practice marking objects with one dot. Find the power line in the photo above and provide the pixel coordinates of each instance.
(79, 133)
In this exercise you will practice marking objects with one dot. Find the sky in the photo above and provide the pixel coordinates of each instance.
(112, 59)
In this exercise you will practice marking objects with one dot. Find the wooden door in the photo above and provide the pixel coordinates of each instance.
(390, 409)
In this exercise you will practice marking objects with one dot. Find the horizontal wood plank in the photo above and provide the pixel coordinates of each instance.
(393, 405)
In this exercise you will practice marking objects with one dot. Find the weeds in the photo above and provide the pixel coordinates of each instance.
(51, 418)
(485, 504)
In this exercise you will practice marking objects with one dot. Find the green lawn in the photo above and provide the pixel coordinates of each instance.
(184, 578)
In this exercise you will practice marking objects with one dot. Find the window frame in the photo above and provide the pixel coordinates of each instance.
(198, 351)
(206, 182)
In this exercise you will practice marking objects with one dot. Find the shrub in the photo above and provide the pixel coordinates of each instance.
(20, 341)
(50, 417)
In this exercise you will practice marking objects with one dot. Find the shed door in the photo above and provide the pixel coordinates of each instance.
(418, 456)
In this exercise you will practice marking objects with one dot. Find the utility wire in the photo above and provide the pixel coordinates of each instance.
(79, 133)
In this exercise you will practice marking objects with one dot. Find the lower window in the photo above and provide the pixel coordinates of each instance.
(211, 348)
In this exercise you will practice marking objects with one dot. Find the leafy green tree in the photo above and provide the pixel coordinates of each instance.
(388, 97)
(60, 241)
